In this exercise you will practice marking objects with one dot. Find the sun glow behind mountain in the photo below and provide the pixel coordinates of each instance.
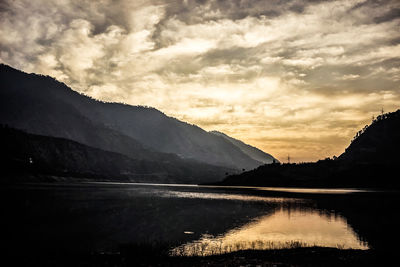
(290, 77)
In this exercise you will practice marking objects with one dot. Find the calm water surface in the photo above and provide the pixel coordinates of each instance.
(283, 229)
(192, 220)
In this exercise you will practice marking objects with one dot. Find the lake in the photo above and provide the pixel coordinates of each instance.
(193, 220)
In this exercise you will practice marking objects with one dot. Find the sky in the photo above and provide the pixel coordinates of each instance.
(290, 77)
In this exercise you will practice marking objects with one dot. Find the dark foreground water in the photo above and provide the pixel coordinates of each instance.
(59, 219)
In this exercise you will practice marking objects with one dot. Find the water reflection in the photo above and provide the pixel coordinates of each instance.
(315, 190)
(286, 228)
(334, 191)
(100, 217)
(227, 196)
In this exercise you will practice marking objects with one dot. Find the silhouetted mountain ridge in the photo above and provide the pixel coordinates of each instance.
(377, 143)
(370, 161)
(249, 150)
(41, 105)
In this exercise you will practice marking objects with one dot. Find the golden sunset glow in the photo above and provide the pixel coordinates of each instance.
(290, 77)
(282, 229)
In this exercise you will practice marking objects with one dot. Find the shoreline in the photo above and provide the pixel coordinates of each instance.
(310, 256)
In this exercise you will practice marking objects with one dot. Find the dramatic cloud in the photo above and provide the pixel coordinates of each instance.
(291, 77)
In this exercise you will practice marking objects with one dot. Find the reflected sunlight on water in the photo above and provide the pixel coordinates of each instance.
(283, 229)
(314, 190)
(241, 197)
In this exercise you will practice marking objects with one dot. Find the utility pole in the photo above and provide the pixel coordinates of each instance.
(382, 111)
(288, 159)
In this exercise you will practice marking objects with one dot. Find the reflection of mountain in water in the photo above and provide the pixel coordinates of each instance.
(286, 228)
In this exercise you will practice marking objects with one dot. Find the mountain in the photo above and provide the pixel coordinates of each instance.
(41, 105)
(377, 143)
(31, 157)
(28, 102)
(370, 161)
(249, 150)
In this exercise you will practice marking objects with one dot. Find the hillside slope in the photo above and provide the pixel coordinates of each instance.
(42, 105)
(28, 156)
(377, 143)
(249, 150)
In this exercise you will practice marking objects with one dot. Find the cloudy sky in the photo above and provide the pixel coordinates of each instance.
(290, 77)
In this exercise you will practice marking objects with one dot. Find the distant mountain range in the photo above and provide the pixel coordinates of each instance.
(371, 160)
(40, 105)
